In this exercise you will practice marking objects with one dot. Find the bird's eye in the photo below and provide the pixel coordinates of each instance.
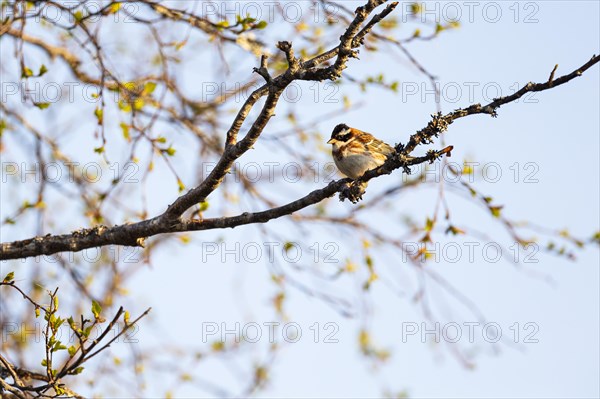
(343, 137)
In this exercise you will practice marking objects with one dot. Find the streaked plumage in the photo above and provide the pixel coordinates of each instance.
(355, 151)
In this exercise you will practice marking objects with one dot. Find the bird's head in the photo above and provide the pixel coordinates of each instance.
(341, 134)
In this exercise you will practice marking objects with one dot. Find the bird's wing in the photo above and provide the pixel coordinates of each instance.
(379, 146)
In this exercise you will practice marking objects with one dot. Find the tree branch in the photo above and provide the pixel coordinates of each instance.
(170, 221)
(273, 88)
(440, 123)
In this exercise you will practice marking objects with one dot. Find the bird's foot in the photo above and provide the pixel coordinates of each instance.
(353, 191)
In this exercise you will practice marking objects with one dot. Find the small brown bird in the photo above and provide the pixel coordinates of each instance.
(355, 151)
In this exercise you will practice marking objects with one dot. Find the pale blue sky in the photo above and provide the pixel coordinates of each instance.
(559, 134)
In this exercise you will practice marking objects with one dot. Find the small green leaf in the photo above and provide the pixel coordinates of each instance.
(203, 206)
(130, 86)
(138, 104)
(26, 72)
(78, 370)
(429, 224)
(72, 350)
(58, 347)
(9, 278)
(124, 106)
(261, 25)
(96, 309)
(115, 7)
(495, 210)
(99, 115)
(57, 323)
(389, 23)
(170, 151)
(149, 88)
(42, 105)
(43, 70)
(125, 129)
(99, 150)
(86, 333)
(78, 15)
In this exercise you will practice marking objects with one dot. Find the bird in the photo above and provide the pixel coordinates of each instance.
(355, 152)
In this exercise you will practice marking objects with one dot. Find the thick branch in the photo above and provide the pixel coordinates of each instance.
(274, 87)
(224, 164)
(134, 234)
(352, 39)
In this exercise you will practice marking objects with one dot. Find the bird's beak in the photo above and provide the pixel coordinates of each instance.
(330, 141)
